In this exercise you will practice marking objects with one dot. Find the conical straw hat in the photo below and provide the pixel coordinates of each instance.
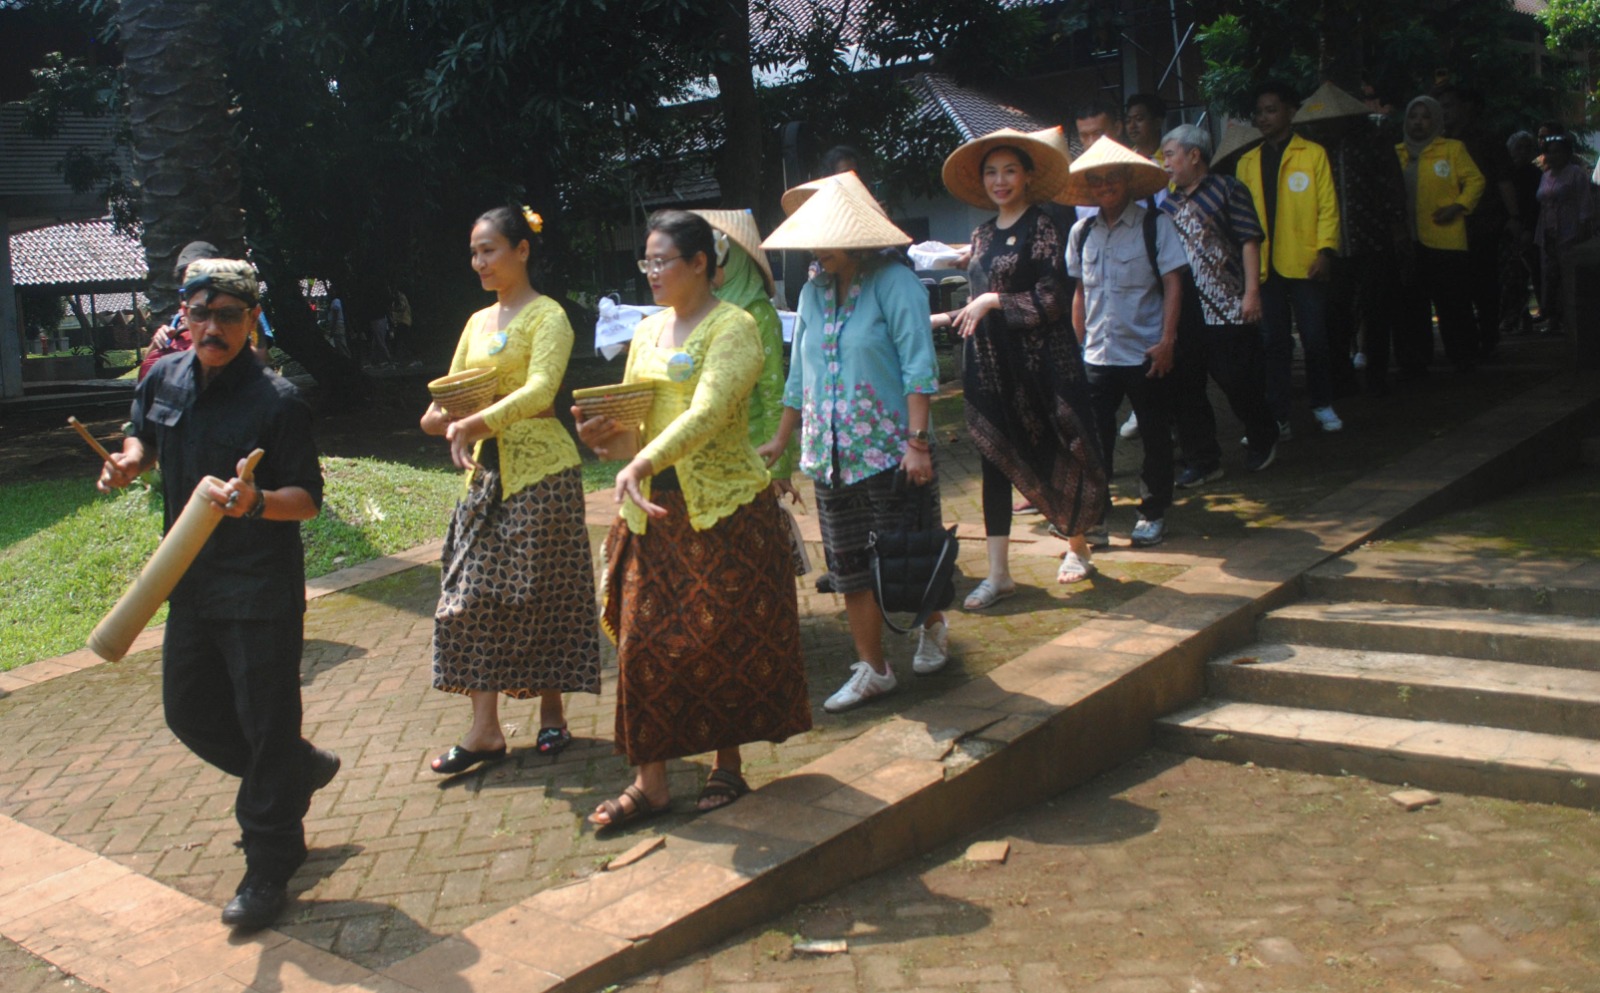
(963, 170)
(1327, 103)
(1146, 179)
(740, 227)
(793, 198)
(836, 217)
(1057, 138)
(1236, 137)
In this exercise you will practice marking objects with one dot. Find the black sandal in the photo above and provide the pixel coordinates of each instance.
(552, 740)
(724, 786)
(616, 817)
(459, 759)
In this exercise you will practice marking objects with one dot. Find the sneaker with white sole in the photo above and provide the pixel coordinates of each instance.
(933, 649)
(1130, 427)
(864, 684)
(1147, 532)
(1327, 418)
(1196, 476)
(1256, 461)
(1098, 536)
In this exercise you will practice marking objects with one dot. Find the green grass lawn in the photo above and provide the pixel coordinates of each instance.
(67, 552)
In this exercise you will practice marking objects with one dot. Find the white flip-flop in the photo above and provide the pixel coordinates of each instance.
(986, 594)
(1073, 569)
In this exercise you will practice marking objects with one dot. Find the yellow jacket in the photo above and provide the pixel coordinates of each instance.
(700, 424)
(1307, 210)
(1446, 175)
(530, 357)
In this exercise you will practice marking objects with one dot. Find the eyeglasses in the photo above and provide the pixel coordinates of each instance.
(653, 267)
(222, 317)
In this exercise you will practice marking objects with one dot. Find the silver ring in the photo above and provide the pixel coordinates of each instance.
(233, 500)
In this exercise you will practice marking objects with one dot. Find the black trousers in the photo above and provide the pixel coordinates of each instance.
(231, 690)
(1231, 355)
(1483, 294)
(1152, 404)
(1364, 296)
(1440, 286)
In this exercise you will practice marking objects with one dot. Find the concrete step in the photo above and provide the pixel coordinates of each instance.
(1518, 696)
(1529, 586)
(1517, 765)
(1539, 639)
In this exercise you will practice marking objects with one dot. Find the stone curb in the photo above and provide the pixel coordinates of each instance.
(1039, 724)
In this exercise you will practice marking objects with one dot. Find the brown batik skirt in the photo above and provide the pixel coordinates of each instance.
(516, 609)
(708, 632)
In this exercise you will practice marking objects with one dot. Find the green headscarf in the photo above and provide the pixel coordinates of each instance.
(742, 282)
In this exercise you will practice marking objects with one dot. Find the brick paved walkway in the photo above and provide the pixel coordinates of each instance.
(1175, 875)
(402, 860)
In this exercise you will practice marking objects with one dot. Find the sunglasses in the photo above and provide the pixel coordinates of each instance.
(222, 317)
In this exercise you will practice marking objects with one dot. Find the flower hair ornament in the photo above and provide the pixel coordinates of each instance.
(721, 240)
(534, 220)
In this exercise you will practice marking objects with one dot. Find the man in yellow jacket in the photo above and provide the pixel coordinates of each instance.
(1293, 189)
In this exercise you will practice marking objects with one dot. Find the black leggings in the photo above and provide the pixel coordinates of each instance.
(996, 501)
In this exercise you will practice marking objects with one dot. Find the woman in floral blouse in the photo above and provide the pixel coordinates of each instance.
(860, 374)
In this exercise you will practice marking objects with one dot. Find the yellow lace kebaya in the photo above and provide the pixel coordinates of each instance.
(699, 422)
(530, 356)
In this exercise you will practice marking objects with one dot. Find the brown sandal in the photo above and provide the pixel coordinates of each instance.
(616, 816)
(724, 786)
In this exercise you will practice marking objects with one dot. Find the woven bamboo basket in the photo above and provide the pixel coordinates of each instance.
(464, 393)
(626, 403)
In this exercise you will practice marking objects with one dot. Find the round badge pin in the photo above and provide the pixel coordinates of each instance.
(497, 341)
(680, 367)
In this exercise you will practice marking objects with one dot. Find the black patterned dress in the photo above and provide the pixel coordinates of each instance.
(1026, 398)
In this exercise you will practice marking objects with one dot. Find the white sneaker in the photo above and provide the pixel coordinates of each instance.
(933, 649)
(864, 684)
(1359, 361)
(1327, 418)
(1130, 427)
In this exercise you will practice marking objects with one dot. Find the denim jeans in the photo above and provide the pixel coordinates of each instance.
(1289, 305)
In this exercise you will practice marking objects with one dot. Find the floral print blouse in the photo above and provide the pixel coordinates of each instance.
(854, 361)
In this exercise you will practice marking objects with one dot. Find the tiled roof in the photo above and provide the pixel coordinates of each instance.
(972, 113)
(31, 163)
(77, 253)
(1529, 6)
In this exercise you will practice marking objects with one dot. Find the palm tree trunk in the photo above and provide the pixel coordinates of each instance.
(185, 157)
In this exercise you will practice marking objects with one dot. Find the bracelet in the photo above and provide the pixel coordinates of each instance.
(259, 507)
(920, 446)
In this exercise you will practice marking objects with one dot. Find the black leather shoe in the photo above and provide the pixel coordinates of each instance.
(324, 765)
(256, 905)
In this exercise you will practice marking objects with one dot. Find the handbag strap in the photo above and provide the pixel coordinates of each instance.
(927, 609)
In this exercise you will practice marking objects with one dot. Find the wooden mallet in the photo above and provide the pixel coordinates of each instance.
(99, 449)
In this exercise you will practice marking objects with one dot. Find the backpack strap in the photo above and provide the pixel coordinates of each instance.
(1150, 241)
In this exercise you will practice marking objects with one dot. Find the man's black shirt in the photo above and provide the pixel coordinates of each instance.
(248, 569)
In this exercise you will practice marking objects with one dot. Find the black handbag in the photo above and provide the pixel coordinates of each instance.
(913, 570)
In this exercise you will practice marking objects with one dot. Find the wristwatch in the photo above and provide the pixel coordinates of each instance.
(923, 436)
(259, 507)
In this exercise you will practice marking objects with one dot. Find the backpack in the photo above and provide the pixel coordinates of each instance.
(1149, 226)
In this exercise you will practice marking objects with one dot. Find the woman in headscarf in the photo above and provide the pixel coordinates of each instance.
(516, 610)
(1027, 400)
(744, 279)
(699, 592)
(860, 373)
(1443, 185)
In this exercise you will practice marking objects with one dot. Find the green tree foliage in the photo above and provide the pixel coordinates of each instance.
(1572, 24)
(1402, 49)
(370, 133)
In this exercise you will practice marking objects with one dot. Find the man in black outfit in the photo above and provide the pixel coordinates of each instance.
(231, 656)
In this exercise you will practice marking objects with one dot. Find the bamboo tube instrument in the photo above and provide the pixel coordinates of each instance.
(171, 559)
